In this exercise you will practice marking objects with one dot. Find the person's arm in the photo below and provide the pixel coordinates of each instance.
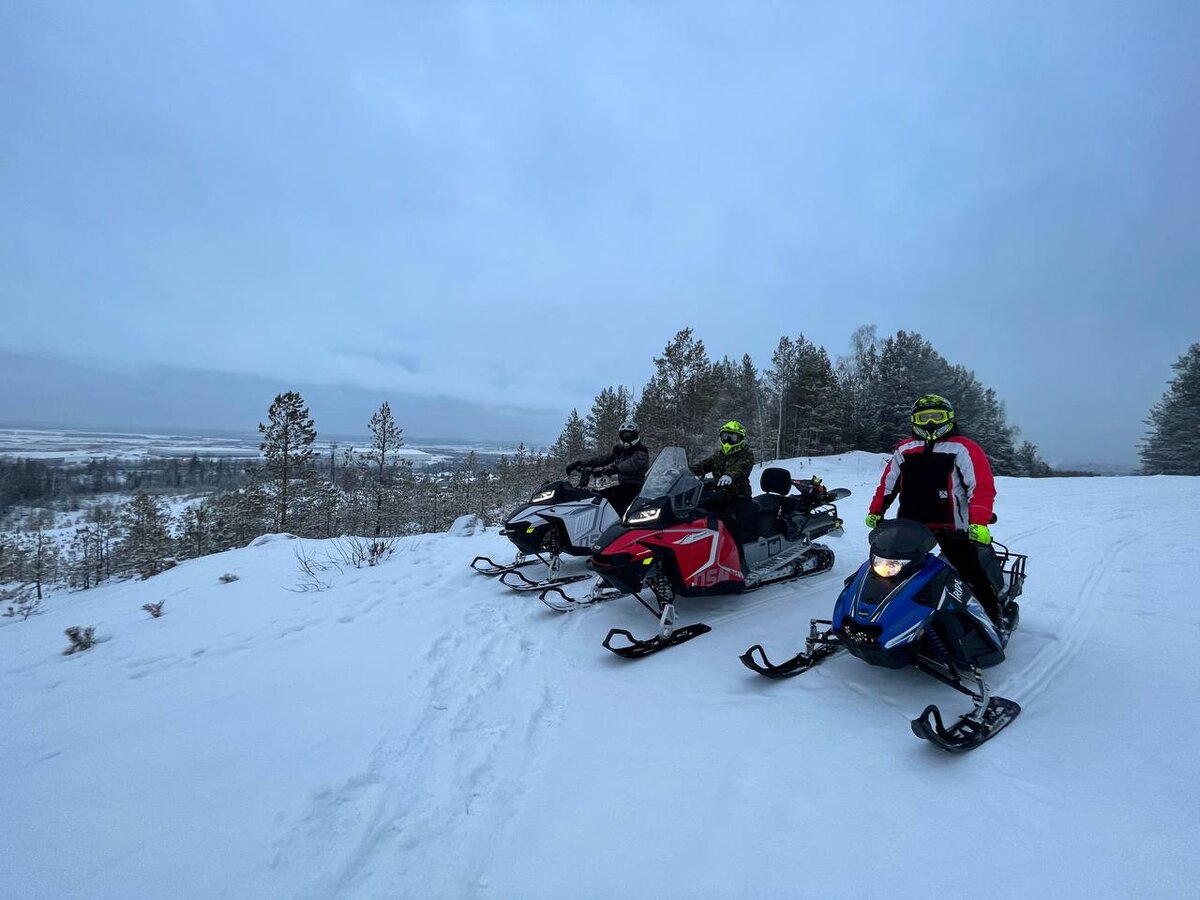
(977, 478)
(889, 485)
(743, 465)
(601, 462)
(704, 466)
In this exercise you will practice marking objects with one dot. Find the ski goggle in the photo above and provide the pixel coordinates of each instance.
(730, 437)
(628, 436)
(931, 417)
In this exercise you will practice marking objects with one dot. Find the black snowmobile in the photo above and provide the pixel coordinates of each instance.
(907, 607)
(560, 518)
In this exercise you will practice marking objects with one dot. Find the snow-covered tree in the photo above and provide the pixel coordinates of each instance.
(287, 447)
(572, 443)
(147, 545)
(1172, 445)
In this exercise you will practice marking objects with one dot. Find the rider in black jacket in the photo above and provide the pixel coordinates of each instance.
(628, 460)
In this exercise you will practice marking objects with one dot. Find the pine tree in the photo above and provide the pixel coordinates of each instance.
(572, 443)
(610, 408)
(146, 546)
(287, 447)
(386, 437)
(1172, 445)
(676, 405)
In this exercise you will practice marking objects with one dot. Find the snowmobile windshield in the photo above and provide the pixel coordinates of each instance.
(669, 483)
(901, 539)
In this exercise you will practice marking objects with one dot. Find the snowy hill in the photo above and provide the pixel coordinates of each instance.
(418, 731)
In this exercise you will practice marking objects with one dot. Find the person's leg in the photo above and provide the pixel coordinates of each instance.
(620, 496)
(969, 559)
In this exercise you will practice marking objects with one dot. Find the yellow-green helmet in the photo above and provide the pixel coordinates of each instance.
(733, 437)
(932, 417)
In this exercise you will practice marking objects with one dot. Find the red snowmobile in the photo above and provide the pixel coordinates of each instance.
(667, 544)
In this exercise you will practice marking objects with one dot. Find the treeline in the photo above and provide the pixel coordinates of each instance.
(1172, 445)
(802, 403)
(43, 483)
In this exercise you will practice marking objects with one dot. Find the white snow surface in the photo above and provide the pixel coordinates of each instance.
(419, 731)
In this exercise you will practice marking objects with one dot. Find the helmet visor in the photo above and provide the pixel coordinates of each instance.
(931, 417)
(628, 436)
(730, 437)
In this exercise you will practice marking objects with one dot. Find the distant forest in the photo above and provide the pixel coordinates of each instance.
(803, 403)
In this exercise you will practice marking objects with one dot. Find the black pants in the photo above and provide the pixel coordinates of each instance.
(621, 495)
(977, 565)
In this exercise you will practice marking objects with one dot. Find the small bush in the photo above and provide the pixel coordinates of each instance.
(155, 609)
(227, 578)
(81, 637)
(24, 603)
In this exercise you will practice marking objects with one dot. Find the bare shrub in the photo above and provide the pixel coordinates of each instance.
(82, 638)
(23, 602)
(313, 571)
(357, 551)
(155, 609)
(227, 578)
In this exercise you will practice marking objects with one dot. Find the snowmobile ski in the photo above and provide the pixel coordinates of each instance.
(563, 603)
(971, 729)
(491, 568)
(797, 665)
(526, 584)
(636, 648)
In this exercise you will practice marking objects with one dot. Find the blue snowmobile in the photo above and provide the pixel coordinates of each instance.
(905, 607)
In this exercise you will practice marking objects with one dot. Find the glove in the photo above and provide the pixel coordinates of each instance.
(724, 481)
(873, 519)
(979, 534)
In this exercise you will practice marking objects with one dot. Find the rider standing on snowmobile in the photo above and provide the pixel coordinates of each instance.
(944, 481)
(628, 460)
(731, 465)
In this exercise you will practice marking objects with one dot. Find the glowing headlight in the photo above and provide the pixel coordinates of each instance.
(542, 497)
(642, 516)
(887, 568)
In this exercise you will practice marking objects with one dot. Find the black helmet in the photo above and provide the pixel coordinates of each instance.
(932, 417)
(628, 433)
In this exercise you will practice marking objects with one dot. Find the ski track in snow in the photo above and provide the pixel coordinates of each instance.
(438, 786)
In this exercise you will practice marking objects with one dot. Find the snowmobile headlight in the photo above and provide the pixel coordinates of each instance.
(642, 516)
(542, 496)
(887, 568)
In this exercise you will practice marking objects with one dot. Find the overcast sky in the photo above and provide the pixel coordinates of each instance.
(487, 212)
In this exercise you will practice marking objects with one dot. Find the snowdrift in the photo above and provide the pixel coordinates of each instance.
(417, 731)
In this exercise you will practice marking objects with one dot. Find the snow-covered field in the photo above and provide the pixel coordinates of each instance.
(418, 731)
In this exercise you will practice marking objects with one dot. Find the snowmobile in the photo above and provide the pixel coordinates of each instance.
(560, 518)
(907, 607)
(670, 546)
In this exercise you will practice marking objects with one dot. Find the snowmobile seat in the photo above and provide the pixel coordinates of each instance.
(763, 520)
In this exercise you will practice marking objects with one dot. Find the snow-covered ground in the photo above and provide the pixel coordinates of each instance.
(418, 731)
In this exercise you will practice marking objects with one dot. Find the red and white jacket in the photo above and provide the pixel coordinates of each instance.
(947, 484)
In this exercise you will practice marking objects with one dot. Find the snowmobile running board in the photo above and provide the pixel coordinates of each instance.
(636, 648)
(797, 665)
(529, 585)
(495, 568)
(969, 731)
